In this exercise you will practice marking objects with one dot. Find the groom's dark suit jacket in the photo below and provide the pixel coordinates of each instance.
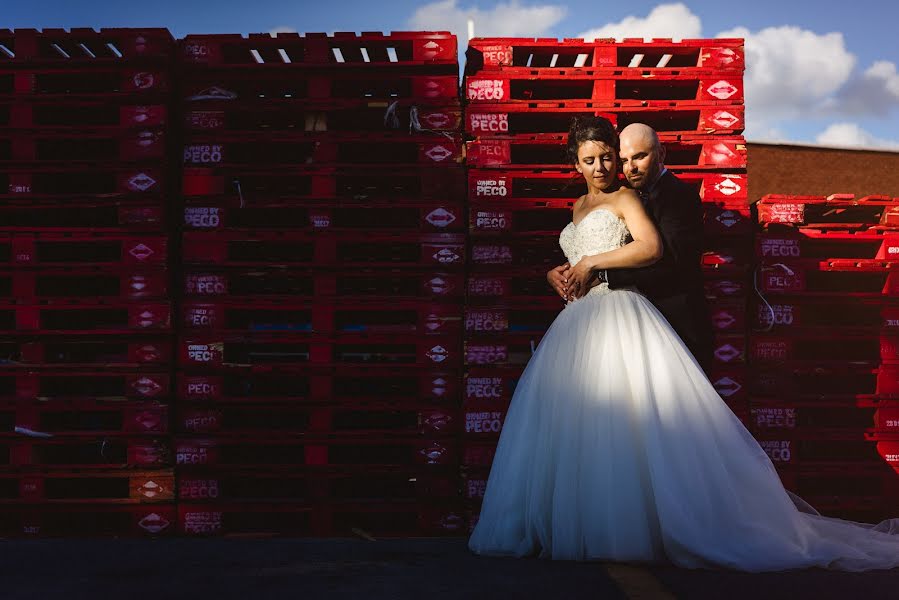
(674, 284)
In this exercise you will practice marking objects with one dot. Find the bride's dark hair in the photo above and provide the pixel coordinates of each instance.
(590, 129)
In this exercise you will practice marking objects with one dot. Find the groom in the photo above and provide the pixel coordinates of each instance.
(673, 284)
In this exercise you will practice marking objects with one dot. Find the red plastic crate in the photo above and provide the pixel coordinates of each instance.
(82, 146)
(342, 316)
(636, 53)
(270, 450)
(826, 348)
(347, 420)
(724, 287)
(488, 185)
(85, 453)
(363, 351)
(501, 120)
(810, 416)
(811, 448)
(834, 315)
(847, 382)
(729, 349)
(271, 248)
(82, 183)
(76, 487)
(305, 149)
(86, 46)
(500, 352)
(426, 217)
(79, 352)
(728, 316)
(84, 316)
(856, 278)
(729, 259)
(84, 417)
(666, 87)
(291, 51)
(83, 385)
(519, 286)
(530, 251)
(278, 486)
(731, 383)
(87, 520)
(344, 116)
(727, 219)
(837, 209)
(297, 283)
(65, 83)
(95, 115)
(97, 282)
(806, 242)
(548, 152)
(86, 217)
(525, 216)
(533, 318)
(256, 186)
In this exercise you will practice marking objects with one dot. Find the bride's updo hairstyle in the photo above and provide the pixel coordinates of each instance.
(590, 129)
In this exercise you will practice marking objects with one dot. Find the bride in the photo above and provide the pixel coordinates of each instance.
(617, 447)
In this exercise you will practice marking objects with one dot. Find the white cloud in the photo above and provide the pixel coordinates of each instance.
(510, 19)
(664, 21)
(850, 135)
(875, 92)
(281, 29)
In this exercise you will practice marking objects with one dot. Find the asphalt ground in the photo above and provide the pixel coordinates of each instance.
(398, 569)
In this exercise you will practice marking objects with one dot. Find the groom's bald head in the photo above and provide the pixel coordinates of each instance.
(642, 154)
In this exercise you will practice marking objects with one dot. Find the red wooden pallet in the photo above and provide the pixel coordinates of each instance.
(76, 216)
(785, 415)
(273, 248)
(858, 278)
(534, 318)
(290, 420)
(516, 285)
(502, 120)
(372, 50)
(76, 487)
(97, 282)
(65, 83)
(82, 385)
(666, 87)
(270, 450)
(333, 485)
(823, 244)
(340, 216)
(725, 287)
(82, 183)
(96, 115)
(85, 453)
(79, 352)
(84, 316)
(364, 86)
(838, 383)
(85, 46)
(297, 283)
(383, 520)
(548, 152)
(531, 251)
(81, 146)
(566, 184)
(731, 382)
(256, 186)
(269, 350)
(84, 418)
(836, 315)
(264, 116)
(728, 316)
(636, 53)
(808, 448)
(89, 520)
(826, 348)
(290, 316)
(277, 149)
(838, 209)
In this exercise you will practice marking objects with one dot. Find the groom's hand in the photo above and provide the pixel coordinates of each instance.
(558, 281)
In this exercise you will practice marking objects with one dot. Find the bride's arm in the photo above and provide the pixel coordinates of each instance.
(645, 249)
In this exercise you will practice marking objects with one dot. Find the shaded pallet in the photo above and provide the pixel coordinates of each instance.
(75, 487)
(82, 183)
(833, 315)
(87, 145)
(85, 316)
(809, 448)
(79, 352)
(666, 87)
(502, 120)
(96, 282)
(87, 520)
(86, 46)
(64, 83)
(857, 278)
(291, 51)
(876, 243)
(85, 453)
(837, 209)
(549, 152)
(341, 216)
(497, 52)
(302, 282)
(83, 418)
(82, 249)
(519, 285)
(276, 350)
(839, 383)
(92, 386)
(96, 115)
(271, 248)
(75, 216)
(824, 347)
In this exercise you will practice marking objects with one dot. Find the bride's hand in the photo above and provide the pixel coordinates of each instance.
(579, 278)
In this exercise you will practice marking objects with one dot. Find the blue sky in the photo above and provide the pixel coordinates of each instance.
(819, 72)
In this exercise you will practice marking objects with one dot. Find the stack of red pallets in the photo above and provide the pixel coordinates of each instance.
(825, 349)
(84, 284)
(323, 247)
(522, 94)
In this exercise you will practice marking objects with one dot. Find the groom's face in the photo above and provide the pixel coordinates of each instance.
(640, 160)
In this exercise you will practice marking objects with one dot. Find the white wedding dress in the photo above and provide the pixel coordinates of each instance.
(617, 447)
